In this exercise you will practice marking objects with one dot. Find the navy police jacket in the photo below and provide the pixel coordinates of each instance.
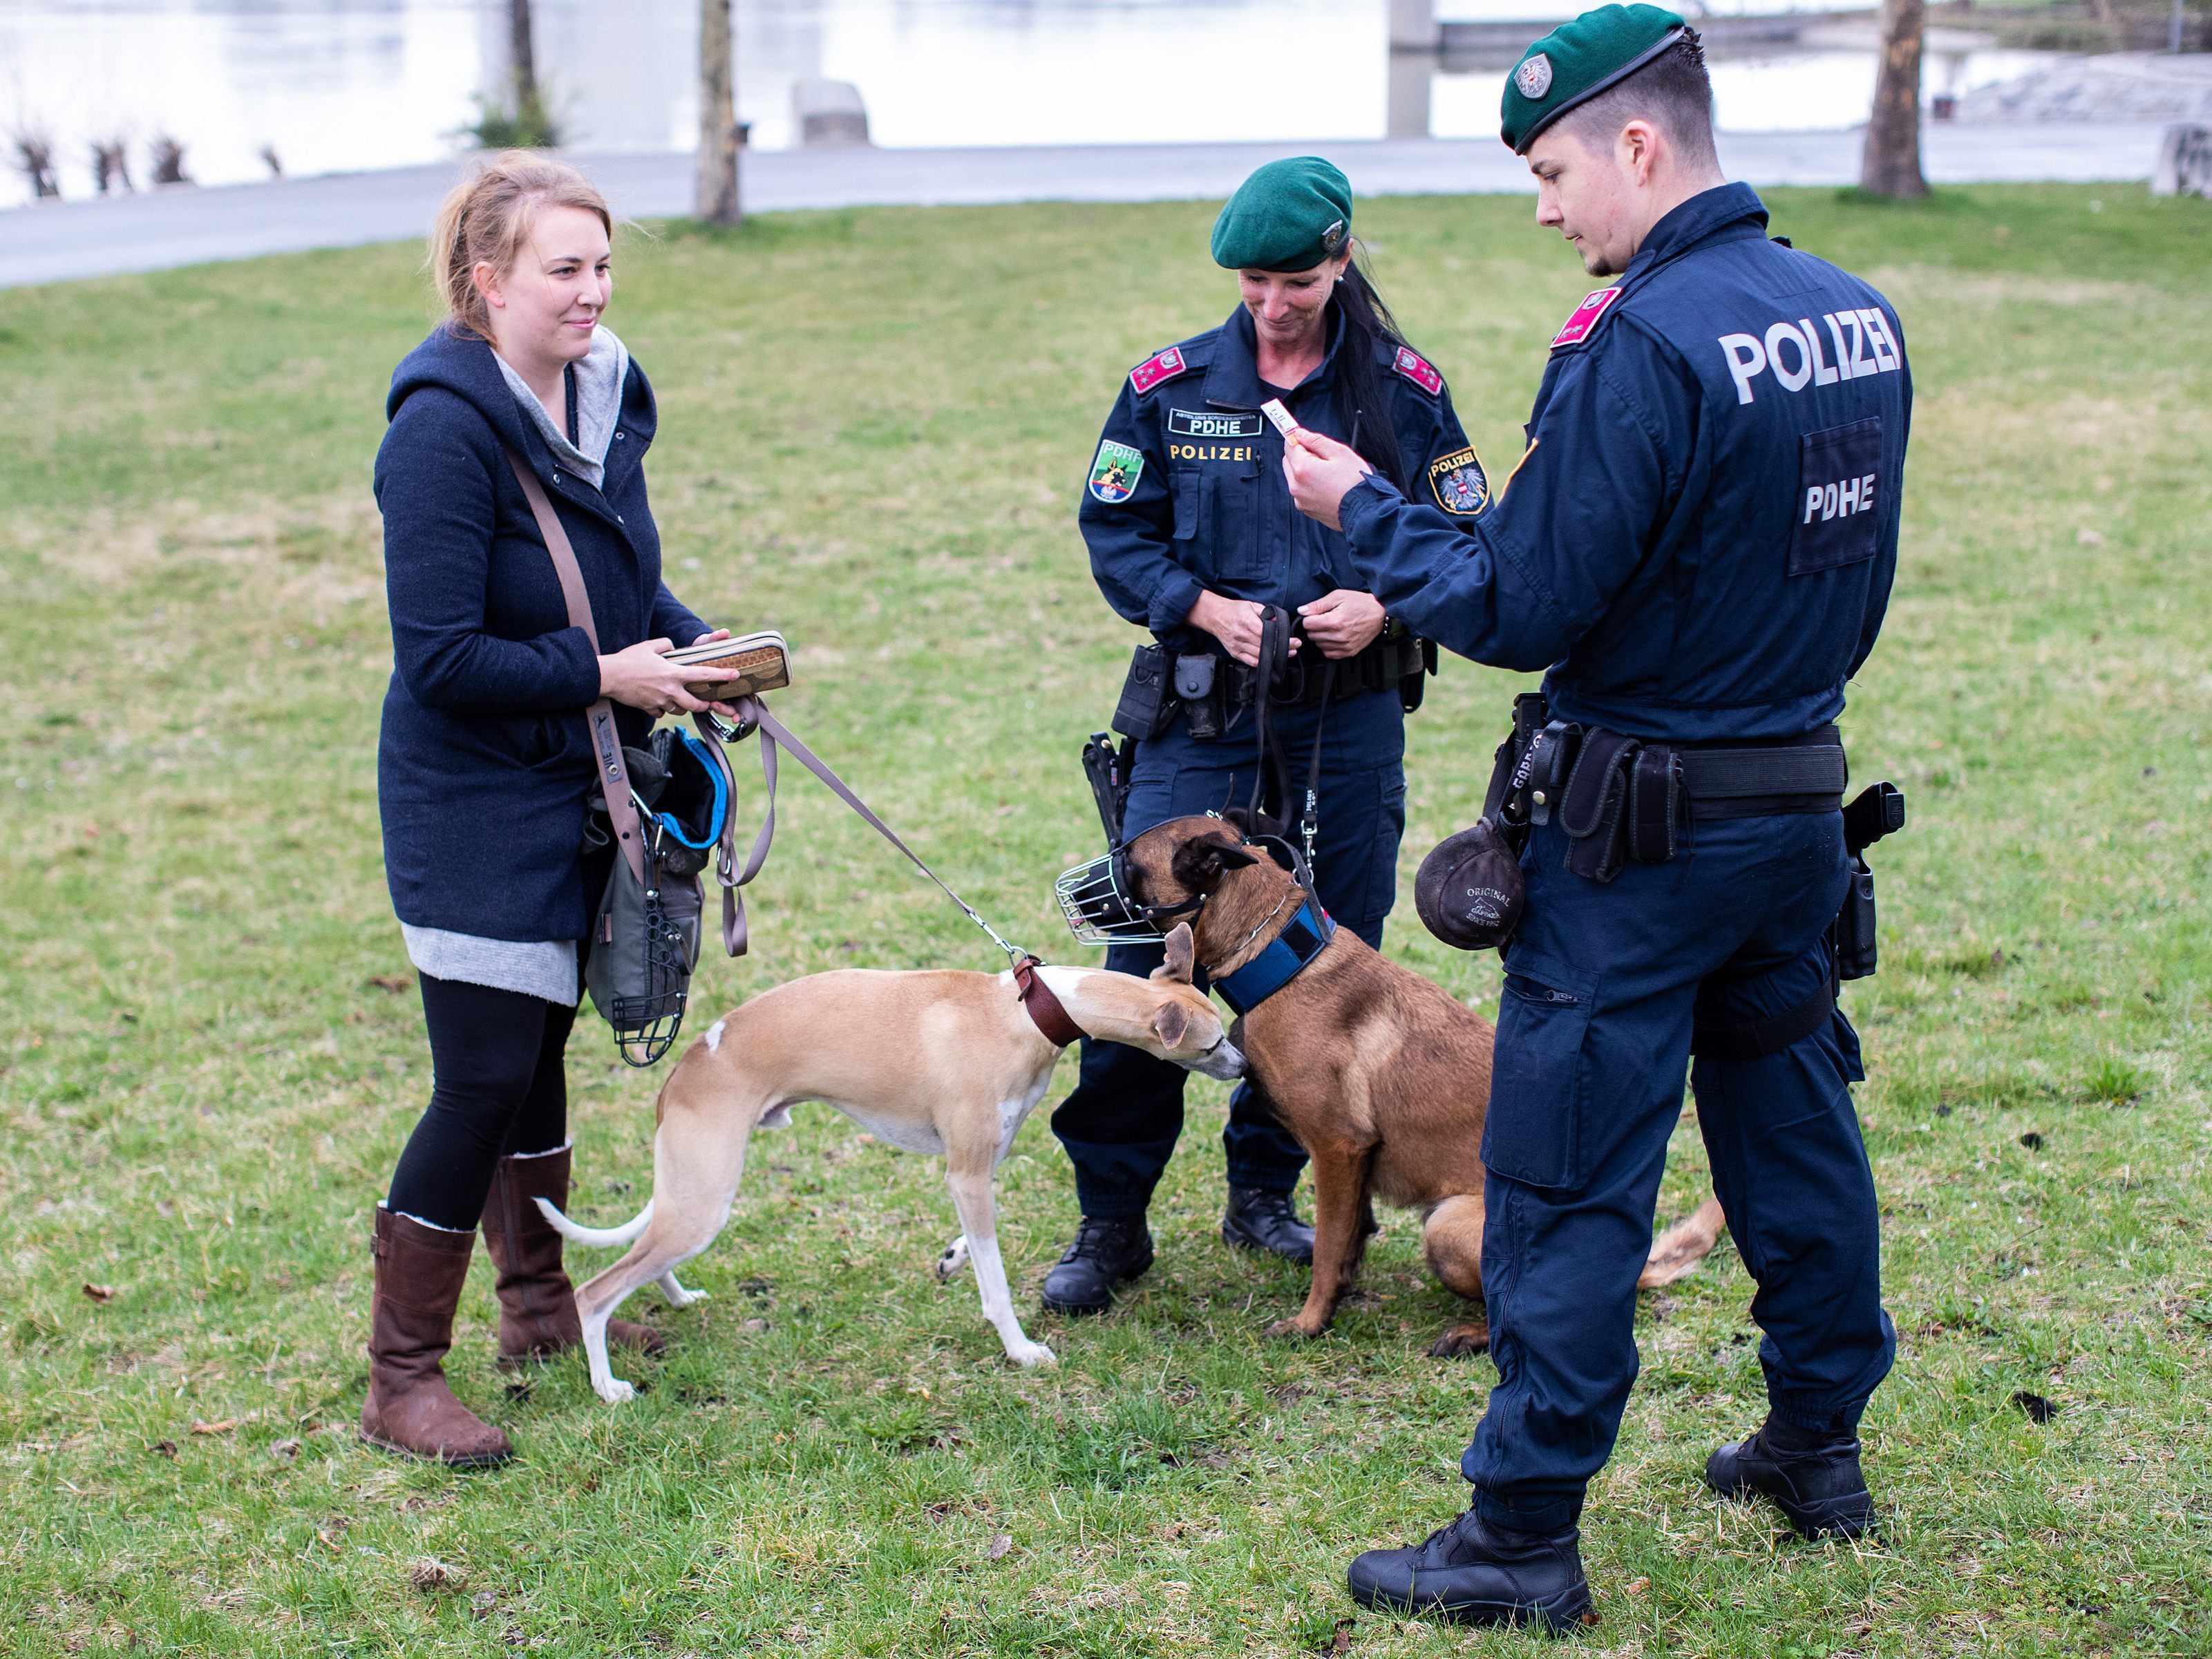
(485, 768)
(1700, 540)
(1187, 492)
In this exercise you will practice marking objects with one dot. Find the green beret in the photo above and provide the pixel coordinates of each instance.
(1289, 215)
(1578, 60)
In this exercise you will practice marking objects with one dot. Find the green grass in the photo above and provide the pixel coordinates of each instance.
(875, 424)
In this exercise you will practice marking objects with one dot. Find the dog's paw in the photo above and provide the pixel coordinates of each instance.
(1291, 1330)
(1031, 1354)
(678, 1296)
(954, 1259)
(616, 1392)
(1459, 1339)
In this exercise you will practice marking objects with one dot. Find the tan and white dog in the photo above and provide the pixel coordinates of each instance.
(941, 1062)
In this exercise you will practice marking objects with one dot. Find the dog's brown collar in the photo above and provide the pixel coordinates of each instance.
(1043, 1008)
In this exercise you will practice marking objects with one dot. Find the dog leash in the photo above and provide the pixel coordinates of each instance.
(1044, 1008)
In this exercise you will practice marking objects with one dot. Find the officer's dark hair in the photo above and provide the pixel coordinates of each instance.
(1362, 391)
(1672, 90)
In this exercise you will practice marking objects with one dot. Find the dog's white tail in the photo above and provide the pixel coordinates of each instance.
(576, 1233)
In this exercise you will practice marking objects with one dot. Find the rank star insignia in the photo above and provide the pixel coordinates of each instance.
(1534, 77)
(1114, 475)
(1459, 483)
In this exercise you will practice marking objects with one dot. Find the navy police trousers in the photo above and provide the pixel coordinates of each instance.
(1593, 1041)
(1121, 1123)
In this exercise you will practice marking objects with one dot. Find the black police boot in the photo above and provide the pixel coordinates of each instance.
(1813, 1477)
(1109, 1250)
(1260, 1220)
(1473, 1573)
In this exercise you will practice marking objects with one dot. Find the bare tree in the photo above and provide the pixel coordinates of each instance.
(522, 55)
(34, 159)
(110, 166)
(1892, 163)
(718, 134)
(168, 160)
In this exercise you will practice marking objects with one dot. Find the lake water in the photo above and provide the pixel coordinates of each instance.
(340, 85)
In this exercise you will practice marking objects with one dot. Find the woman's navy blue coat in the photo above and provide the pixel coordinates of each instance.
(485, 770)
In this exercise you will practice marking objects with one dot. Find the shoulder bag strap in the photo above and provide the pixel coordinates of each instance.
(606, 741)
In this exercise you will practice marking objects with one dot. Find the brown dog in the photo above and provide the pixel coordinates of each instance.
(1382, 1075)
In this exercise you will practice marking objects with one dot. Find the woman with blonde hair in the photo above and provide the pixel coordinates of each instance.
(485, 770)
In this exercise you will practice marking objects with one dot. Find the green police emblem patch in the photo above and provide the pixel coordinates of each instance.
(1459, 483)
(1114, 475)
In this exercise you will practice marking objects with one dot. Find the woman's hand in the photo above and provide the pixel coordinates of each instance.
(1343, 624)
(1235, 623)
(643, 677)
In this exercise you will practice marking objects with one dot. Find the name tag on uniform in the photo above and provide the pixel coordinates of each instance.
(1205, 423)
(1839, 497)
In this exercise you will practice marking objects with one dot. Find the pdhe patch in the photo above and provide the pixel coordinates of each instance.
(1207, 424)
(1114, 475)
(1459, 483)
(1161, 365)
(1415, 367)
(1578, 326)
(1839, 498)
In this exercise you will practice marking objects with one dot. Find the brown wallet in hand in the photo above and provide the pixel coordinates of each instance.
(763, 660)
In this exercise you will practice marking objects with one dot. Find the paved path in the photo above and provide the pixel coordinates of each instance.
(153, 231)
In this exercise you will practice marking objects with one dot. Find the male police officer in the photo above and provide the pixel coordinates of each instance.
(1698, 545)
(1192, 534)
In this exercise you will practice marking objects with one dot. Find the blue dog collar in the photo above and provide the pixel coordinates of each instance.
(1305, 936)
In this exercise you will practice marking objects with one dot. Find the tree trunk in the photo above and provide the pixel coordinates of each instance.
(718, 117)
(1891, 162)
(521, 55)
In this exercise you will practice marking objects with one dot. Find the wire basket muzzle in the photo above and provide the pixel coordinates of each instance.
(1098, 905)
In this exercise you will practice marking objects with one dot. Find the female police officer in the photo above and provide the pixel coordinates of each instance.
(1192, 532)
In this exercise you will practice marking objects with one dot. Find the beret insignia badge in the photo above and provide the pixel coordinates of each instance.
(1333, 239)
(1534, 77)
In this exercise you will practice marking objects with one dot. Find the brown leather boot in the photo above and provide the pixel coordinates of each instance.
(419, 1273)
(537, 1315)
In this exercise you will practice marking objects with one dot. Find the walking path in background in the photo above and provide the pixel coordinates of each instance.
(55, 242)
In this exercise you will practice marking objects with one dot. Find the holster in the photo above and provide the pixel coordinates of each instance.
(1853, 934)
(1625, 803)
(1147, 705)
(1595, 813)
(1203, 690)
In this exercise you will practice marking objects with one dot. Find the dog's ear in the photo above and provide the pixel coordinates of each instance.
(1180, 956)
(1171, 1023)
(1199, 864)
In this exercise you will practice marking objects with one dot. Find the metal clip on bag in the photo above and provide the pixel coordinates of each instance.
(645, 940)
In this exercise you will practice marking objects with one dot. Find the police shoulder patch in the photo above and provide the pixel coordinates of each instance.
(1415, 367)
(1459, 483)
(1114, 473)
(1577, 327)
(1158, 370)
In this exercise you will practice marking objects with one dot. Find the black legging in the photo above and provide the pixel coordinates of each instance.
(498, 1088)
